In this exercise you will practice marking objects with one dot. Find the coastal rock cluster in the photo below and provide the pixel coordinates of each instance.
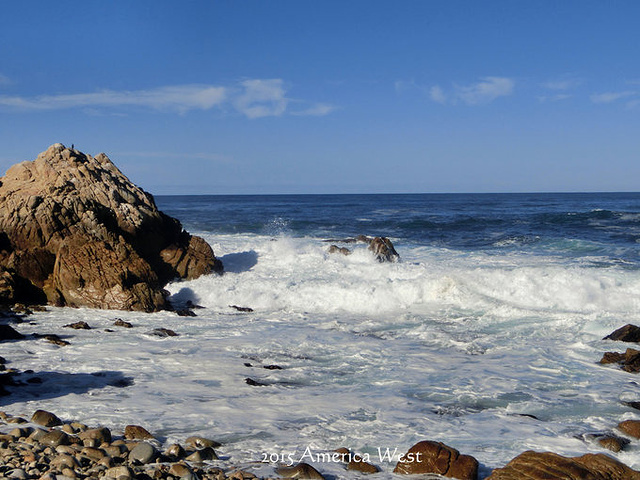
(74, 231)
(45, 448)
(381, 247)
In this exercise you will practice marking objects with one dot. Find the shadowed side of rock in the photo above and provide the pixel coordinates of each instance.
(78, 232)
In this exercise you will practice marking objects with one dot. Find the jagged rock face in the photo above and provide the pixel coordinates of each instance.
(82, 233)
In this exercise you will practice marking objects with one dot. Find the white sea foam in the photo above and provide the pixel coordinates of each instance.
(444, 345)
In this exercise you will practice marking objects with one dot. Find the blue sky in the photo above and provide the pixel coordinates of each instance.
(298, 96)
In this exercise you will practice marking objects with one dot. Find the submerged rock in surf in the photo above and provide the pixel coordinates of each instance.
(381, 247)
(629, 361)
(74, 231)
(383, 250)
(337, 249)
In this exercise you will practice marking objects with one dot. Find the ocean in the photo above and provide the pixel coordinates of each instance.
(485, 335)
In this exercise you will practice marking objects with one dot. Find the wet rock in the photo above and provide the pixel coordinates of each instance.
(93, 453)
(185, 312)
(272, 367)
(162, 332)
(136, 432)
(435, 457)
(120, 472)
(613, 443)
(635, 405)
(629, 360)
(55, 438)
(77, 232)
(79, 326)
(175, 451)
(46, 419)
(630, 427)
(56, 340)
(336, 249)
(254, 383)
(628, 333)
(383, 250)
(300, 471)
(201, 442)
(7, 332)
(64, 461)
(611, 357)
(180, 470)
(203, 455)
(241, 309)
(98, 435)
(143, 453)
(20, 433)
(355, 462)
(546, 465)
(121, 323)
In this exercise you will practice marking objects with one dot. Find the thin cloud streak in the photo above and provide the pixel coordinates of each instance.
(254, 98)
(610, 97)
(317, 110)
(483, 92)
(181, 98)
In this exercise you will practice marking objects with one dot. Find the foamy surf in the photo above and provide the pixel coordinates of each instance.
(493, 352)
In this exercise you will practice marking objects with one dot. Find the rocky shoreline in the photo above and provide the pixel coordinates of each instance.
(49, 449)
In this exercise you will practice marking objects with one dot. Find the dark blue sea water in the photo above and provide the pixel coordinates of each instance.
(606, 225)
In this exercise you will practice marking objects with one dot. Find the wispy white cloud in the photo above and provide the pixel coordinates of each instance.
(610, 97)
(437, 95)
(316, 110)
(262, 98)
(562, 84)
(485, 91)
(180, 98)
(554, 98)
(254, 98)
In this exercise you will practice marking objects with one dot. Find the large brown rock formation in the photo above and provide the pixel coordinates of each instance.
(75, 231)
(546, 465)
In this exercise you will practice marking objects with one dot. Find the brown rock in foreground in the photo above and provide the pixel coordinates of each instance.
(628, 333)
(77, 232)
(629, 360)
(545, 465)
(435, 457)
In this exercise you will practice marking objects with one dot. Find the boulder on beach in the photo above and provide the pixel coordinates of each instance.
(544, 465)
(77, 232)
(428, 457)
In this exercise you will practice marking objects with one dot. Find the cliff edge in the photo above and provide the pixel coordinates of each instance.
(74, 231)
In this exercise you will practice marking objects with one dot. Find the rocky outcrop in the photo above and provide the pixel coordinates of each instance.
(629, 360)
(381, 247)
(628, 333)
(546, 465)
(383, 250)
(77, 232)
(437, 458)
